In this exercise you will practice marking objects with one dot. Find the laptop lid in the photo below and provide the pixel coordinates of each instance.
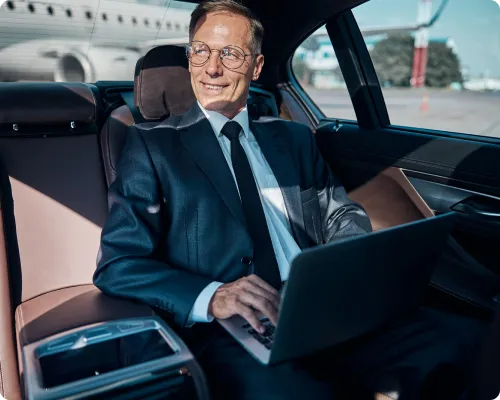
(348, 288)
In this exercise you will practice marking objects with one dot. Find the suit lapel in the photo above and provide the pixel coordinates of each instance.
(277, 153)
(198, 137)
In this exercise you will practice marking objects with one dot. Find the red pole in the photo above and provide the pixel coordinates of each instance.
(421, 45)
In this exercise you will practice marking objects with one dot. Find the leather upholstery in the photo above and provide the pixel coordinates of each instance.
(164, 85)
(46, 103)
(60, 204)
(113, 137)
(9, 256)
(9, 379)
(391, 187)
(70, 308)
(162, 88)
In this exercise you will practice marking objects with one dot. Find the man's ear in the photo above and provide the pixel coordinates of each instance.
(259, 63)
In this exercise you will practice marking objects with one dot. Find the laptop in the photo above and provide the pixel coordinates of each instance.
(345, 289)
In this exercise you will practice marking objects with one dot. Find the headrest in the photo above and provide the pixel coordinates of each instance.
(162, 83)
(46, 103)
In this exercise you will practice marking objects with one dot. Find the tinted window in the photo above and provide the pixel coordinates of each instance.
(446, 77)
(315, 66)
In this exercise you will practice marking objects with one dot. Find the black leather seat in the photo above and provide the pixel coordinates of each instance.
(162, 87)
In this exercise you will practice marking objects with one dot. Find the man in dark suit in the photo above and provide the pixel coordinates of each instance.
(209, 208)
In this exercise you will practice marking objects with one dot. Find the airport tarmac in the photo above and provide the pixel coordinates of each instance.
(464, 112)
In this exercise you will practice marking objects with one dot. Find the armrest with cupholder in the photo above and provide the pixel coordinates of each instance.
(79, 343)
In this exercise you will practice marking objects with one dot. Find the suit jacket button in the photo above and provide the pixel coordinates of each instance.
(246, 260)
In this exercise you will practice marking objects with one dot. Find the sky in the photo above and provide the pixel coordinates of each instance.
(474, 25)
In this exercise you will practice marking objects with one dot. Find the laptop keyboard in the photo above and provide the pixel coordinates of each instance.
(266, 338)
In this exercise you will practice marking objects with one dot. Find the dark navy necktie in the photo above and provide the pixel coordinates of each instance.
(265, 264)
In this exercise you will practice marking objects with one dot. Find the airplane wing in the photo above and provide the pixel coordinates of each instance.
(381, 30)
(372, 31)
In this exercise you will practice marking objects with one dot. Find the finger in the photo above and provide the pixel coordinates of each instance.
(263, 284)
(261, 304)
(255, 289)
(250, 316)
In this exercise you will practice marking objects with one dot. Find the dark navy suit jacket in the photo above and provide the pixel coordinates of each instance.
(176, 223)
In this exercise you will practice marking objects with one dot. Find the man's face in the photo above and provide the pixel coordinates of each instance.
(216, 87)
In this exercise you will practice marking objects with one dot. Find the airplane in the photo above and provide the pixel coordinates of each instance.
(88, 41)
(85, 41)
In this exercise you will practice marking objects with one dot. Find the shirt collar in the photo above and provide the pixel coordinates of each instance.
(217, 120)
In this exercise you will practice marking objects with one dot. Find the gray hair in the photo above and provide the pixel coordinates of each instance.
(230, 7)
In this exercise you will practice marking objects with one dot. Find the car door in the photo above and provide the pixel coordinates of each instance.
(406, 152)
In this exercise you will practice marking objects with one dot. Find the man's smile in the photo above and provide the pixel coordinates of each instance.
(213, 88)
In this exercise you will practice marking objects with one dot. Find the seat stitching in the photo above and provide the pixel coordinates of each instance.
(2, 388)
(95, 102)
(108, 139)
(18, 323)
(455, 293)
(23, 331)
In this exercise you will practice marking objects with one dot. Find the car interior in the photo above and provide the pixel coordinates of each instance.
(59, 147)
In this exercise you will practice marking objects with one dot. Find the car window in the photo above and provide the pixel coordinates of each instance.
(444, 77)
(85, 40)
(315, 66)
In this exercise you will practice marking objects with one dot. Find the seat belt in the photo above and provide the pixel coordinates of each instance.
(128, 98)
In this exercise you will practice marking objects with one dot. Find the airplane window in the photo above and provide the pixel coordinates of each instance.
(134, 20)
(120, 19)
(10, 5)
(177, 27)
(88, 14)
(158, 24)
(69, 13)
(50, 10)
(104, 17)
(146, 22)
(169, 26)
(31, 8)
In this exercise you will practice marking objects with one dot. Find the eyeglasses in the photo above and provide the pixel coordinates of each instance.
(232, 57)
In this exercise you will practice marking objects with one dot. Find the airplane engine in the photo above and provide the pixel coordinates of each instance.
(98, 63)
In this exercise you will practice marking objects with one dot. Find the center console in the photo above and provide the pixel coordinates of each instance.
(138, 357)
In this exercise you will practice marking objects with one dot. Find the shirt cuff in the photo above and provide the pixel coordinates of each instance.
(199, 312)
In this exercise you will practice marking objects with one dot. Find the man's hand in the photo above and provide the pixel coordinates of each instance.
(248, 297)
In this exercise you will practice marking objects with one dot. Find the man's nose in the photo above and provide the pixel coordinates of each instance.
(214, 65)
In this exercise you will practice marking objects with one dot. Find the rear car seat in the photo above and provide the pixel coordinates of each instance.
(161, 88)
(9, 375)
(50, 149)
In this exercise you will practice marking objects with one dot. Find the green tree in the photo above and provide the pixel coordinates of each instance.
(392, 58)
(443, 66)
(393, 61)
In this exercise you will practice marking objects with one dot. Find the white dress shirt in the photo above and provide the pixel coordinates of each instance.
(284, 245)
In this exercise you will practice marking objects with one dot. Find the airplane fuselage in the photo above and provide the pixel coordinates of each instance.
(35, 36)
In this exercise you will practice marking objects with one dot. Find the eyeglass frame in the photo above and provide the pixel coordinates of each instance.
(210, 50)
